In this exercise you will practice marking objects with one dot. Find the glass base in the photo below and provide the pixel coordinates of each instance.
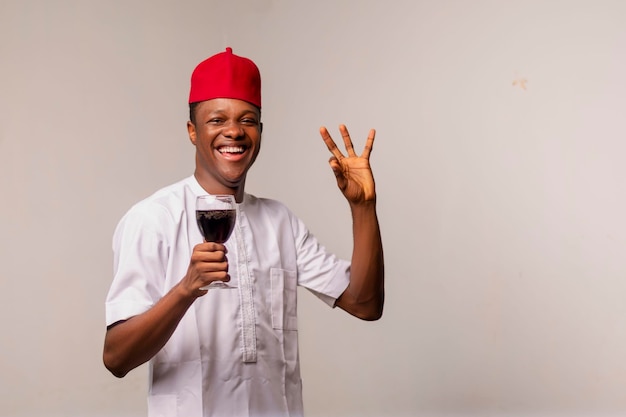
(218, 285)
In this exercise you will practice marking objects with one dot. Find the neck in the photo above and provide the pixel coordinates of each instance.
(212, 187)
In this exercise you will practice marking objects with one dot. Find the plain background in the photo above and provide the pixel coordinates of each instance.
(499, 162)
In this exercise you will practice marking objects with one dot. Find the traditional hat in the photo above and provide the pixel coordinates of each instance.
(226, 75)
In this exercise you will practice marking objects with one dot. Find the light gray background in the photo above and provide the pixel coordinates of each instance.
(499, 167)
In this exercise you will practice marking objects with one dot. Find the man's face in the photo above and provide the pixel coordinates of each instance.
(227, 136)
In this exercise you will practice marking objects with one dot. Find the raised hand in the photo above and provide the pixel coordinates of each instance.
(353, 173)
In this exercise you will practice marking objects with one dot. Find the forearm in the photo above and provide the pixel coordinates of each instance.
(136, 340)
(364, 296)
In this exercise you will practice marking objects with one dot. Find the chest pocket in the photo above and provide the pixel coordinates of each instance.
(284, 301)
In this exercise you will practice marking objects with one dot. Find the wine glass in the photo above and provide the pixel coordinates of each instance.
(216, 215)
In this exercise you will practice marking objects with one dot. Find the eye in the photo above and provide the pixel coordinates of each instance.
(249, 121)
(215, 121)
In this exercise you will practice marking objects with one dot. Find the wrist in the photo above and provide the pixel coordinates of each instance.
(182, 294)
(365, 207)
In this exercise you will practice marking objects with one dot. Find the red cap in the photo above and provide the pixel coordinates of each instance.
(226, 75)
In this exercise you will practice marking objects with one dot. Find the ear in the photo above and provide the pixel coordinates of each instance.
(261, 127)
(191, 129)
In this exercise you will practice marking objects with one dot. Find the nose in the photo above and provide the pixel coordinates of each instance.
(233, 130)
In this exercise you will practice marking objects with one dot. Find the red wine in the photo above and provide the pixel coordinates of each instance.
(216, 225)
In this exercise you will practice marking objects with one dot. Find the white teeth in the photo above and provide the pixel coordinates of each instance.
(231, 149)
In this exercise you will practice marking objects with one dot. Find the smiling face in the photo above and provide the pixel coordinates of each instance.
(227, 136)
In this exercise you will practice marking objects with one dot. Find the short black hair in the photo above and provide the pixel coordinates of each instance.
(192, 111)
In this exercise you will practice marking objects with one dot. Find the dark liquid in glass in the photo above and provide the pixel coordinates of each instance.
(216, 225)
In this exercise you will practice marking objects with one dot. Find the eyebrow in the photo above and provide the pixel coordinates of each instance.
(243, 113)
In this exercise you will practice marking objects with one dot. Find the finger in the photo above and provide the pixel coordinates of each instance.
(338, 171)
(225, 278)
(346, 140)
(335, 166)
(330, 143)
(208, 257)
(369, 144)
(213, 268)
(207, 279)
(210, 247)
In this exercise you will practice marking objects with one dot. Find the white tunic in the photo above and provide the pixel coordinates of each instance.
(235, 352)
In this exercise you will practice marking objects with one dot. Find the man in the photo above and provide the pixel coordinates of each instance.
(232, 352)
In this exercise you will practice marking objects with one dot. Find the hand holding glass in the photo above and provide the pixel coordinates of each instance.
(216, 215)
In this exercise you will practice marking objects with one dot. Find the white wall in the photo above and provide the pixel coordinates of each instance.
(502, 207)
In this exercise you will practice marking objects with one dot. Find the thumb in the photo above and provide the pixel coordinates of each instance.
(338, 171)
(336, 167)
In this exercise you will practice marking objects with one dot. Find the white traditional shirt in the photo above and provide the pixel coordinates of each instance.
(235, 352)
